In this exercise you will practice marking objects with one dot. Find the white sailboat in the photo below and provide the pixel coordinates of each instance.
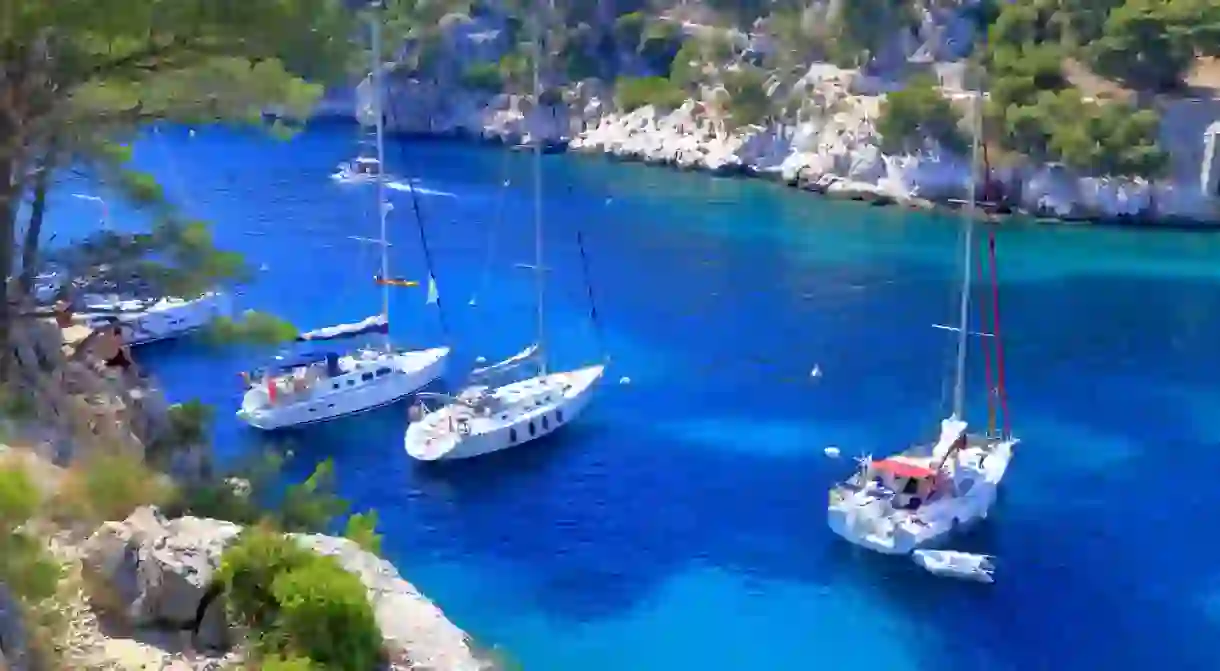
(483, 418)
(146, 321)
(144, 317)
(320, 386)
(917, 498)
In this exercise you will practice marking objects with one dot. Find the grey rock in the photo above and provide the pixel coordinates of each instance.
(159, 571)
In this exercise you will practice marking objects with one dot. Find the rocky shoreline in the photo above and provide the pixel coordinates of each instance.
(834, 155)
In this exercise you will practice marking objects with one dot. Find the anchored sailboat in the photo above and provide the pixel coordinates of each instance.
(916, 498)
(319, 386)
(483, 418)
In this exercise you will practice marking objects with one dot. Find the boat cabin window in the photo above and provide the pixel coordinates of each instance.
(911, 486)
(366, 377)
(532, 430)
(512, 435)
(559, 417)
(546, 424)
(382, 372)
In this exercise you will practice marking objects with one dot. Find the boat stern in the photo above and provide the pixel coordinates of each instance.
(430, 439)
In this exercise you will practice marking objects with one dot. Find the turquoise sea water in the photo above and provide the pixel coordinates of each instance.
(680, 524)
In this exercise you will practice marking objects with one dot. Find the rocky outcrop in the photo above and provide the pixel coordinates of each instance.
(148, 572)
(80, 400)
(826, 140)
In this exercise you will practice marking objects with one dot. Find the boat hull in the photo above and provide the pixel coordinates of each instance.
(348, 394)
(165, 319)
(548, 403)
(870, 523)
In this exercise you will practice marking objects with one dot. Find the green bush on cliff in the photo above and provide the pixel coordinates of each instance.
(362, 530)
(632, 93)
(27, 570)
(297, 602)
(325, 611)
(917, 113)
(286, 663)
(483, 77)
(748, 103)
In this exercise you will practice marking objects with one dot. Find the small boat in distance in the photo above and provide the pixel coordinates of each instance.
(360, 170)
(954, 564)
(146, 321)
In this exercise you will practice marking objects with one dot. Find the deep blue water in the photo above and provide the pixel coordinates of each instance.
(680, 523)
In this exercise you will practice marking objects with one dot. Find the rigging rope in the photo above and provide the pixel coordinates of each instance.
(584, 264)
(423, 238)
(999, 345)
(497, 220)
(991, 389)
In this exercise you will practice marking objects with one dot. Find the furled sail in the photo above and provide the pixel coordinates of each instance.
(377, 324)
(511, 362)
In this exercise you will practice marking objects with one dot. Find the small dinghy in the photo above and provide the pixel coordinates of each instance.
(953, 564)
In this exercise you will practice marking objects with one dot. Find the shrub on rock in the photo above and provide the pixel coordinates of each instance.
(325, 613)
(296, 601)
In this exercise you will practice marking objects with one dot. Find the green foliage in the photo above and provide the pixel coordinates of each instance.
(686, 69)
(629, 30)
(798, 39)
(918, 113)
(324, 610)
(483, 77)
(860, 28)
(516, 70)
(576, 55)
(299, 603)
(190, 422)
(748, 103)
(311, 505)
(1034, 111)
(279, 662)
(632, 93)
(25, 567)
(254, 328)
(248, 569)
(1152, 43)
(19, 498)
(362, 530)
(659, 44)
(109, 485)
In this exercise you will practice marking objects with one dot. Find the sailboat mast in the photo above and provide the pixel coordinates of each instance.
(959, 385)
(378, 92)
(539, 270)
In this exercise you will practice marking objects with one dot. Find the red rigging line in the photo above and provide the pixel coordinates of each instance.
(991, 396)
(999, 343)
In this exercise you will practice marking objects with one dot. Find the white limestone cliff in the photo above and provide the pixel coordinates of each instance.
(828, 143)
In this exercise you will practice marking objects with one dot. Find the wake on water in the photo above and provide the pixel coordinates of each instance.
(422, 190)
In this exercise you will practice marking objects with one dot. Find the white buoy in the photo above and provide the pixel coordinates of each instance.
(473, 302)
(624, 380)
(481, 359)
(832, 452)
(192, 132)
(816, 372)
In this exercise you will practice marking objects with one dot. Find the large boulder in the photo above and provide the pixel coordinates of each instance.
(150, 571)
